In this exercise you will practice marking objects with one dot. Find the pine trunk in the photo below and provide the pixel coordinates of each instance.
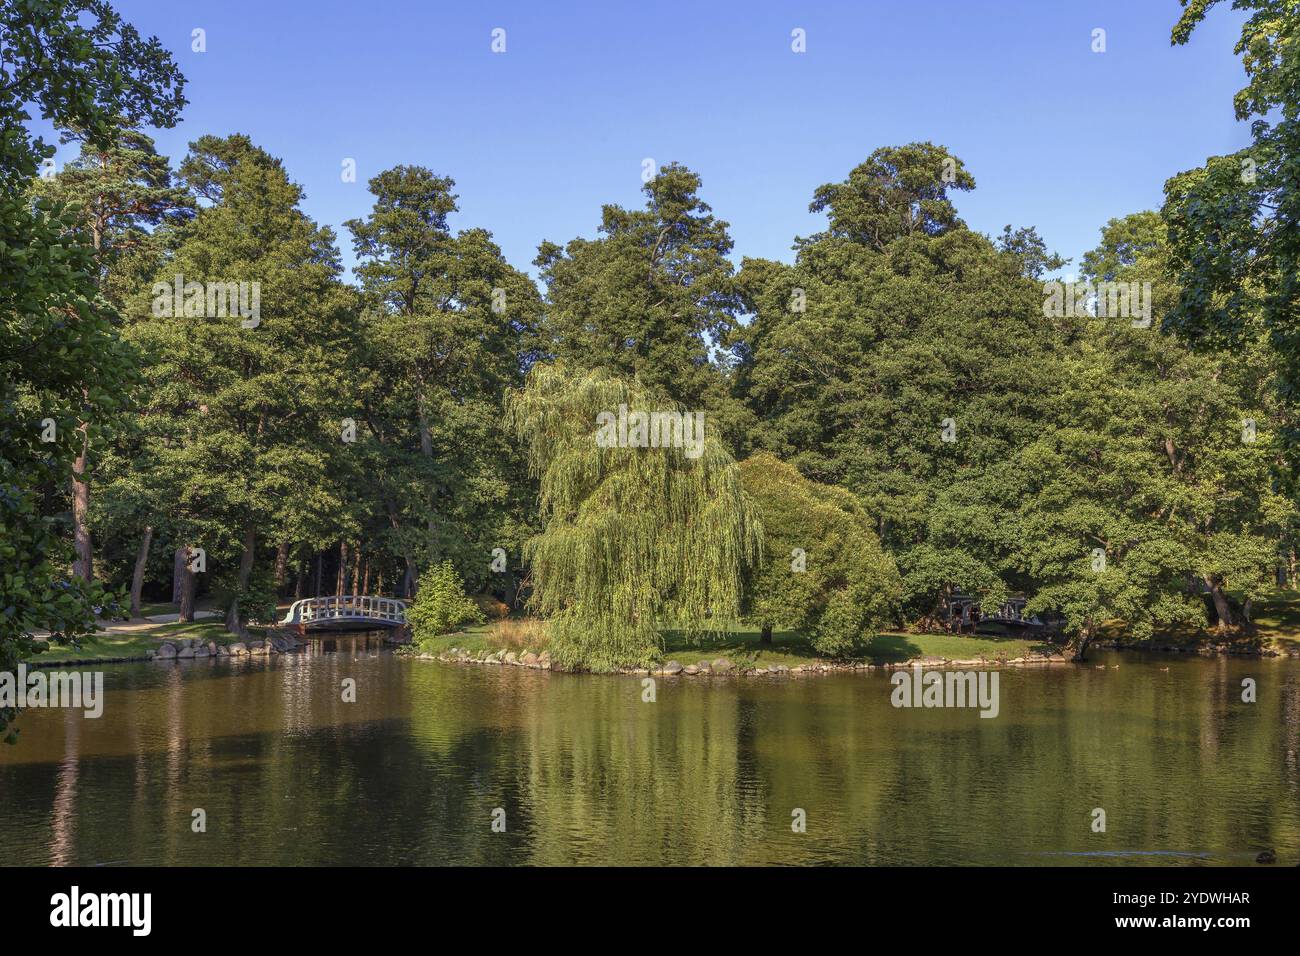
(281, 566)
(233, 623)
(188, 587)
(341, 580)
(82, 565)
(141, 562)
(179, 565)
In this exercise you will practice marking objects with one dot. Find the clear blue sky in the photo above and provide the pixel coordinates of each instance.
(539, 137)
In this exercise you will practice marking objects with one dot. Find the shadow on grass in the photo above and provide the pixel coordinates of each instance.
(738, 645)
(743, 645)
(896, 648)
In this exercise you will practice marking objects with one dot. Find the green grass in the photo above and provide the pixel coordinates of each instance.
(472, 639)
(117, 645)
(743, 647)
(1278, 617)
(896, 648)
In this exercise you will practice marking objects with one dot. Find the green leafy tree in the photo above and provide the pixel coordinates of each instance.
(1234, 224)
(1029, 249)
(244, 406)
(447, 330)
(60, 358)
(121, 192)
(899, 191)
(633, 538)
(823, 571)
(651, 297)
(907, 359)
(1155, 481)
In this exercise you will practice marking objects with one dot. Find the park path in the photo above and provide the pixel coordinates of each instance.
(140, 624)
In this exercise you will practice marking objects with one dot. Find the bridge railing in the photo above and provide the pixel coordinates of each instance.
(346, 607)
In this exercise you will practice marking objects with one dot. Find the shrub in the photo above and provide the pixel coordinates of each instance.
(823, 570)
(440, 604)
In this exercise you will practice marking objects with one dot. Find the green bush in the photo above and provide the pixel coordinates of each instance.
(823, 571)
(441, 604)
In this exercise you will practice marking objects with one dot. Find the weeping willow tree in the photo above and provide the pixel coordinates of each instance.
(645, 523)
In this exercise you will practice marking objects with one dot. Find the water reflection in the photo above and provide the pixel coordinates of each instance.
(289, 772)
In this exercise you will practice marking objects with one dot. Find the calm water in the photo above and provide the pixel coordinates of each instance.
(709, 774)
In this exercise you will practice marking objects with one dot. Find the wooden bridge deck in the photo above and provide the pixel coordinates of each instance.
(345, 611)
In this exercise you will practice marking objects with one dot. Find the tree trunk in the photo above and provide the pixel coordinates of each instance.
(188, 587)
(342, 580)
(426, 449)
(180, 561)
(365, 581)
(281, 566)
(319, 558)
(1077, 646)
(82, 565)
(356, 570)
(1221, 606)
(233, 623)
(297, 587)
(137, 578)
(766, 637)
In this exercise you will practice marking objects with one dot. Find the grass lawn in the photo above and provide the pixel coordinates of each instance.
(742, 646)
(473, 639)
(115, 645)
(1278, 617)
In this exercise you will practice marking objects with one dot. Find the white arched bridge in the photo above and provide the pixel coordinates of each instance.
(343, 612)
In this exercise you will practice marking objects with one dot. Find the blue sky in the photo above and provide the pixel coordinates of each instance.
(539, 137)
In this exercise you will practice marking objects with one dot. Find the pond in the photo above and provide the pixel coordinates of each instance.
(581, 770)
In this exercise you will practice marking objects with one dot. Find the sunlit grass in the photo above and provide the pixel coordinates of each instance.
(136, 644)
(743, 646)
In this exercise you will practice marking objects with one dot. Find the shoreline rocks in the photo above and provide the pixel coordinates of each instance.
(723, 667)
(194, 648)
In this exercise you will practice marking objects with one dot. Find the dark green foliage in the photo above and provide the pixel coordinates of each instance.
(823, 571)
(1234, 224)
(447, 329)
(60, 358)
(899, 191)
(650, 296)
(859, 354)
